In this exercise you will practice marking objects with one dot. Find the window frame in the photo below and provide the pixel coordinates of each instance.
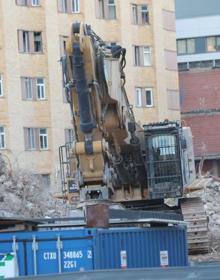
(26, 41)
(110, 6)
(148, 89)
(41, 87)
(134, 11)
(78, 5)
(216, 47)
(64, 6)
(142, 11)
(43, 145)
(31, 139)
(39, 41)
(148, 52)
(1, 85)
(101, 9)
(137, 54)
(2, 138)
(138, 97)
(141, 97)
(186, 46)
(35, 5)
(28, 83)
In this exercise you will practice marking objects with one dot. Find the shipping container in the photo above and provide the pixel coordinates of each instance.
(45, 252)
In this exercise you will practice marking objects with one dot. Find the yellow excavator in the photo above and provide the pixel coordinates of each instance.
(112, 158)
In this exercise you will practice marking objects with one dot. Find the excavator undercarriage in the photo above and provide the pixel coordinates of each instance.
(112, 158)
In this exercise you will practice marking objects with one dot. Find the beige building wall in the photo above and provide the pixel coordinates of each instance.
(53, 113)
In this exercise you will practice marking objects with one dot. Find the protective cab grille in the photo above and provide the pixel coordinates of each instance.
(163, 160)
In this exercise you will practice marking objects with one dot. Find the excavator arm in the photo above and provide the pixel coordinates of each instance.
(106, 156)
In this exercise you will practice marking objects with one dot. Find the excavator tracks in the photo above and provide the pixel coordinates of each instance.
(197, 224)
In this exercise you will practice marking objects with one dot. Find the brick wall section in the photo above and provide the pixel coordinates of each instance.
(206, 134)
(199, 90)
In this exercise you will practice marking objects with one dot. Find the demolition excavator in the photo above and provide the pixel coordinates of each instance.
(112, 158)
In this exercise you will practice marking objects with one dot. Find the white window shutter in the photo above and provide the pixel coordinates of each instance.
(23, 88)
(31, 41)
(34, 88)
(141, 52)
(37, 138)
(143, 97)
(20, 41)
(97, 11)
(26, 144)
(59, 6)
(69, 6)
(139, 14)
(106, 9)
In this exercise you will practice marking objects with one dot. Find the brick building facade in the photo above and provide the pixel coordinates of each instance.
(199, 77)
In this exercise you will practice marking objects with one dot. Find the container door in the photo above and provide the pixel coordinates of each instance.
(11, 264)
(42, 257)
(77, 255)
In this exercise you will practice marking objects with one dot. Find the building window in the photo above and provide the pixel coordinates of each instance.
(137, 56)
(35, 2)
(186, 46)
(69, 135)
(190, 46)
(40, 88)
(37, 42)
(144, 14)
(142, 56)
(1, 85)
(144, 97)
(32, 88)
(31, 138)
(183, 66)
(2, 137)
(25, 41)
(106, 9)
(140, 14)
(101, 8)
(75, 6)
(138, 97)
(134, 9)
(213, 44)
(147, 56)
(111, 9)
(68, 6)
(149, 97)
(29, 42)
(62, 6)
(35, 138)
(28, 94)
(43, 139)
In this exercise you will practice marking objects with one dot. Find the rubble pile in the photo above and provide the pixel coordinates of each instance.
(210, 194)
(23, 195)
(211, 198)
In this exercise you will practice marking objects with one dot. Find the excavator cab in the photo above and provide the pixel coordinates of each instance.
(168, 158)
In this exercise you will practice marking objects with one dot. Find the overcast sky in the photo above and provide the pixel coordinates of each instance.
(196, 8)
